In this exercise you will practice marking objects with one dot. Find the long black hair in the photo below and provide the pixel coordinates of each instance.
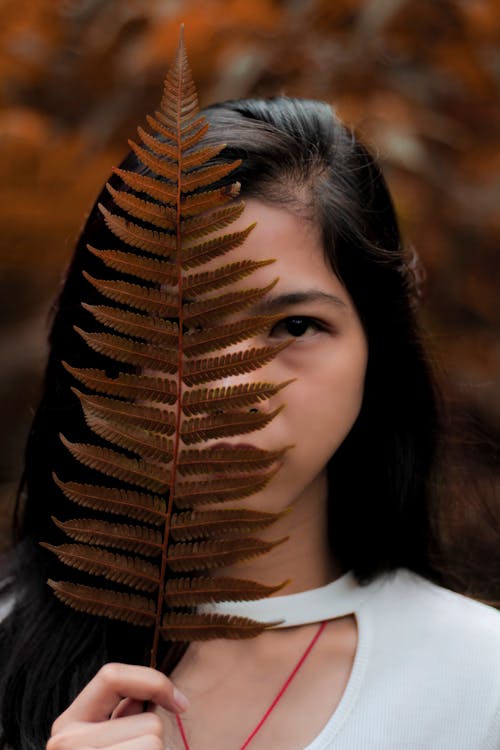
(295, 154)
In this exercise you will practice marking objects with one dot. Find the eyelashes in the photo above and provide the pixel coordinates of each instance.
(297, 326)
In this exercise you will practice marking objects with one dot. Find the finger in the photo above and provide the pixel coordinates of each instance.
(114, 682)
(131, 707)
(148, 742)
(128, 707)
(127, 728)
(108, 733)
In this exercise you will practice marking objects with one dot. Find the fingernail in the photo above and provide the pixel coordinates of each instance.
(180, 700)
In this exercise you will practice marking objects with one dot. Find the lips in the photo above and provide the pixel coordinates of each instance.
(232, 446)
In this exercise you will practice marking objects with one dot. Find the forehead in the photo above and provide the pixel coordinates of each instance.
(292, 241)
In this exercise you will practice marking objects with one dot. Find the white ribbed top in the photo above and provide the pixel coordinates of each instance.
(426, 674)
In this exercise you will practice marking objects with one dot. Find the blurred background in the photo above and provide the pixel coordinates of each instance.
(419, 80)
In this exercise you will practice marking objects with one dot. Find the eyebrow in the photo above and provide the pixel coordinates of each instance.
(270, 305)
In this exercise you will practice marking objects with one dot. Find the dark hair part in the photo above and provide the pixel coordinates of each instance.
(296, 154)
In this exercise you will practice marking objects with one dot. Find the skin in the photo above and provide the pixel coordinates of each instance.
(230, 684)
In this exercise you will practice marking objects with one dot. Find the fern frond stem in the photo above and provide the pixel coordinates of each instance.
(166, 534)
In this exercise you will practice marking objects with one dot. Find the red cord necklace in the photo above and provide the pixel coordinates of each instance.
(275, 701)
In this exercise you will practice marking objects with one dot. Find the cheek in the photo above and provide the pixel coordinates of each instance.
(324, 403)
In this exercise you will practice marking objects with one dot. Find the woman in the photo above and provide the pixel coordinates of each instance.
(401, 661)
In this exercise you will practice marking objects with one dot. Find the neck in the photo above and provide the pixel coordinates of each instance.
(305, 558)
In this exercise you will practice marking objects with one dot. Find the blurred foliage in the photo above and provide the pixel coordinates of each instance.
(418, 80)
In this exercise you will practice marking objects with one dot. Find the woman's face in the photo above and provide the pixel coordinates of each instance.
(327, 357)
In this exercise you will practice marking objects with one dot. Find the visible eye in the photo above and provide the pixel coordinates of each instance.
(296, 326)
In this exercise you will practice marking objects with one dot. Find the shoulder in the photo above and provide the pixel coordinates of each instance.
(437, 655)
(442, 651)
(455, 629)
(444, 607)
(405, 595)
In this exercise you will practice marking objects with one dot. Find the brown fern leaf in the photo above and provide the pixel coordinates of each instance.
(198, 429)
(194, 157)
(222, 490)
(189, 131)
(137, 610)
(160, 147)
(207, 370)
(197, 255)
(182, 627)
(159, 216)
(142, 442)
(179, 104)
(215, 308)
(150, 240)
(197, 203)
(131, 387)
(153, 301)
(202, 177)
(155, 270)
(161, 167)
(116, 411)
(134, 505)
(160, 191)
(164, 313)
(168, 169)
(129, 571)
(200, 226)
(219, 337)
(141, 266)
(187, 592)
(140, 539)
(207, 281)
(227, 523)
(215, 554)
(131, 352)
(141, 473)
(170, 135)
(232, 397)
(231, 459)
(164, 333)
